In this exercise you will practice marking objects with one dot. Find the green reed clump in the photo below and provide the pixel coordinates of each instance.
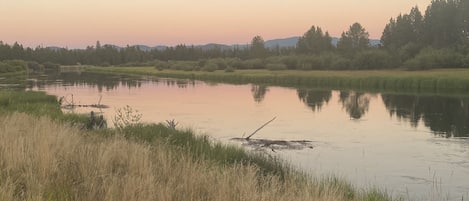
(377, 195)
(37, 104)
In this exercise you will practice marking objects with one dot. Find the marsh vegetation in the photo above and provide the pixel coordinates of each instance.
(46, 159)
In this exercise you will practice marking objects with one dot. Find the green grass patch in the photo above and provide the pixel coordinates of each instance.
(37, 104)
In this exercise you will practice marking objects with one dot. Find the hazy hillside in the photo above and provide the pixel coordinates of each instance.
(282, 42)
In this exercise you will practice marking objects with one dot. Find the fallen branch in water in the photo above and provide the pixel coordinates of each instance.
(65, 104)
(248, 137)
(276, 144)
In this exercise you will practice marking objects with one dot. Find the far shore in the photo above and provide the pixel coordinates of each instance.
(428, 81)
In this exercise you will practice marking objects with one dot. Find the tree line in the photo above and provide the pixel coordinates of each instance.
(437, 38)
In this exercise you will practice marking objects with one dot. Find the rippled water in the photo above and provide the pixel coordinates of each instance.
(412, 145)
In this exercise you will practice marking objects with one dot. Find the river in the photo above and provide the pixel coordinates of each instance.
(411, 145)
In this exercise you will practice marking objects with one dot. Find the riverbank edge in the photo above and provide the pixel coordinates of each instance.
(39, 104)
(440, 81)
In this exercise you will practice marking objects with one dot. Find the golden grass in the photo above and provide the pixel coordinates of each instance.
(44, 160)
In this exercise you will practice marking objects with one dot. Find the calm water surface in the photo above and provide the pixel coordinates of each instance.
(415, 146)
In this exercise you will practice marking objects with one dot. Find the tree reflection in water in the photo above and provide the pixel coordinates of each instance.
(98, 80)
(356, 104)
(314, 99)
(258, 92)
(445, 116)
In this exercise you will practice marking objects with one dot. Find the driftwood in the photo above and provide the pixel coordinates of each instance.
(273, 144)
(66, 104)
(248, 137)
(276, 144)
(70, 106)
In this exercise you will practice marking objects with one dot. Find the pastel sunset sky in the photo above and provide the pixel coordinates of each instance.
(78, 23)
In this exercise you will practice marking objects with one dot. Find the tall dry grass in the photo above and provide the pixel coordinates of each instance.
(44, 160)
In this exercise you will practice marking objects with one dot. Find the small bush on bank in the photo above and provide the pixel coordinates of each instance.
(210, 67)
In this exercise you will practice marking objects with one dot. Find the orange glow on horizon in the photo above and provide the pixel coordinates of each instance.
(77, 24)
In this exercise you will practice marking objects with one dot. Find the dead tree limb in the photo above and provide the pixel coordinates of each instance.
(100, 97)
(248, 137)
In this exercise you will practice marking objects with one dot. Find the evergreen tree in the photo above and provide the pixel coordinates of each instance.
(258, 49)
(314, 41)
(354, 40)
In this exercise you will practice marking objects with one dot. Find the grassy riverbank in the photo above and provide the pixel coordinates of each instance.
(43, 157)
(434, 81)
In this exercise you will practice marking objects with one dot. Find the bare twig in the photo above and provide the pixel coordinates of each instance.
(99, 102)
(248, 137)
(172, 123)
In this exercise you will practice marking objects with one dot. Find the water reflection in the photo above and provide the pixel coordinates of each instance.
(356, 104)
(313, 98)
(445, 116)
(258, 92)
(100, 81)
(180, 83)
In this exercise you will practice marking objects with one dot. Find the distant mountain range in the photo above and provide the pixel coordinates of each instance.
(282, 43)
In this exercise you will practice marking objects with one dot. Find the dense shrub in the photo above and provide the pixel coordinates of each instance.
(253, 64)
(210, 67)
(234, 62)
(220, 62)
(35, 66)
(373, 59)
(229, 69)
(271, 60)
(105, 64)
(54, 66)
(160, 65)
(341, 63)
(465, 61)
(183, 65)
(13, 66)
(409, 51)
(435, 58)
(311, 62)
(291, 62)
